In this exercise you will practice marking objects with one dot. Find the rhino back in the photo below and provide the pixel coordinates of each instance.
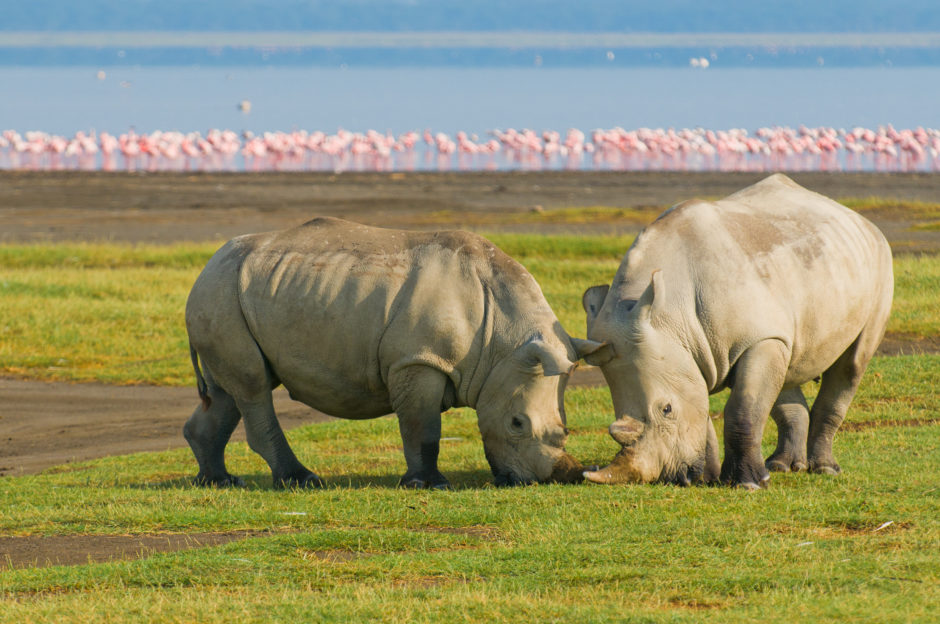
(774, 260)
(334, 305)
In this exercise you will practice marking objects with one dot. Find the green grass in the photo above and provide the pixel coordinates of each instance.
(932, 226)
(809, 548)
(569, 216)
(916, 308)
(114, 313)
(911, 208)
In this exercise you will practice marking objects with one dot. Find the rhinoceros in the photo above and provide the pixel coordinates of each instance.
(360, 321)
(759, 292)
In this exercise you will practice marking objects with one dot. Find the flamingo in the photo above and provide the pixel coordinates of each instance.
(771, 147)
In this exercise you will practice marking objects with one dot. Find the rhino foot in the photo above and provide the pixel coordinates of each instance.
(829, 468)
(751, 475)
(226, 480)
(781, 462)
(750, 486)
(434, 481)
(510, 480)
(304, 481)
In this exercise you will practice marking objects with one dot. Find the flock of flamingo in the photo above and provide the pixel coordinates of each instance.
(777, 148)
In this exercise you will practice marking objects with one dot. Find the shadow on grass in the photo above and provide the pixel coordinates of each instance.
(459, 480)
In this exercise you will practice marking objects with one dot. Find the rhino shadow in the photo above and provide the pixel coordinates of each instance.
(459, 480)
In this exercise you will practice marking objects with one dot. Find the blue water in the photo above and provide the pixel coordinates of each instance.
(65, 100)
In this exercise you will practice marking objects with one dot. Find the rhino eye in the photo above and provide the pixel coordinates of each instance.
(516, 422)
(667, 410)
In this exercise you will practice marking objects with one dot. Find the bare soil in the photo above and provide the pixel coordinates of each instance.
(47, 424)
(48, 550)
(163, 207)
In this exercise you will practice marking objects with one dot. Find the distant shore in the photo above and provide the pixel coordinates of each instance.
(459, 39)
(470, 48)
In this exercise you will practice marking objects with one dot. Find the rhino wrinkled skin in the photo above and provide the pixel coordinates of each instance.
(759, 292)
(359, 322)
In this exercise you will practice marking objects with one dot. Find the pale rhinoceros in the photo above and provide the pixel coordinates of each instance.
(759, 292)
(359, 322)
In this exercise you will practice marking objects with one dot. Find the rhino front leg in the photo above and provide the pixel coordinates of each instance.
(266, 438)
(208, 431)
(417, 395)
(792, 418)
(757, 380)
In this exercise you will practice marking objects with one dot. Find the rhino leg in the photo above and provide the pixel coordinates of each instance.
(792, 418)
(417, 394)
(266, 438)
(208, 431)
(238, 366)
(757, 381)
(839, 383)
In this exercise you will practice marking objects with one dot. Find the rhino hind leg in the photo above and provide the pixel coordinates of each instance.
(238, 367)
(839, 384)
(266, 438)
(417, 393)
(757, 381)
(792, 417)
(208, 431)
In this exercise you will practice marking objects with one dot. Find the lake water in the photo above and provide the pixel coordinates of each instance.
(65, 100)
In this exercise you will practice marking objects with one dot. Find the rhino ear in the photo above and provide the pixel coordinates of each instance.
(592, 352)
(651, 300)
(603, 354)
(539, 357)
(585, 348)
(592, 300)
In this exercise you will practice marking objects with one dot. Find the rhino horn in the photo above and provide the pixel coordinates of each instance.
(620, 470)
(626, 431)
(712, 462)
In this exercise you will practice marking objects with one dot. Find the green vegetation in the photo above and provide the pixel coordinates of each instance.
(914, 209)
(568, 216)
(932, 226)
(114, 313)
(858, 547)
(810, 547)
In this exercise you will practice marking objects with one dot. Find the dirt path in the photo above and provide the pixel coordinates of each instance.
(46, 424)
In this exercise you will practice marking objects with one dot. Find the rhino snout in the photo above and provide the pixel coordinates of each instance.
(566, 469)
(626, 431)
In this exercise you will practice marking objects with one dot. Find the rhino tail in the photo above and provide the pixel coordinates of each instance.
(201, 386)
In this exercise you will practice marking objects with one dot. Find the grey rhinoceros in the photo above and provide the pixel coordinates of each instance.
(358, 322)
(759, 292)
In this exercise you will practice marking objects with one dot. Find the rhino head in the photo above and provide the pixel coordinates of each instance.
(521, 412)
(659, 394)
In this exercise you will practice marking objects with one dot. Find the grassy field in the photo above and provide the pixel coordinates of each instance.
(114, 313)
(861, 547)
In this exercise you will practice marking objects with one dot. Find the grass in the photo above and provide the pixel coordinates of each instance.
(537, 215)
(932, 226)
(910, 208)
(809, 548)
(114, 313)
